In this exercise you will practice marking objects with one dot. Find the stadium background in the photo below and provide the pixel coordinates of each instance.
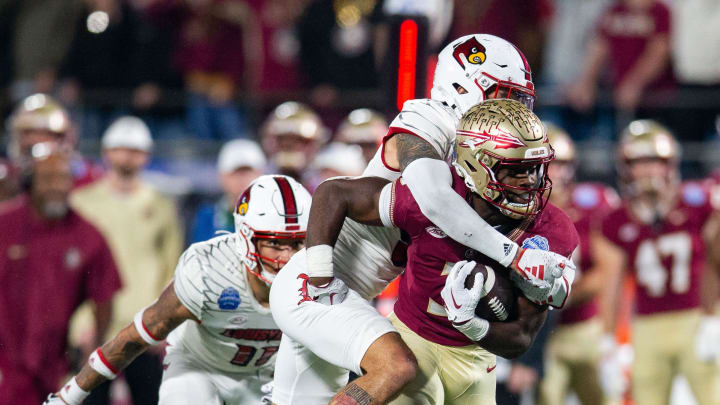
(106, 58)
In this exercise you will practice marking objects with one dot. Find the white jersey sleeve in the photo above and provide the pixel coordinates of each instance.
(188, 282)
(430, 120)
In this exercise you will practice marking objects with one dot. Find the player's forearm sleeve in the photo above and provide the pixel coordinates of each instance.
(429, 181)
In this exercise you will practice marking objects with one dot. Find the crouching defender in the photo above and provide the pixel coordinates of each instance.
(215, 313)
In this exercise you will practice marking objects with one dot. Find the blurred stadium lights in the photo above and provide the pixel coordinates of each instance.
(97, 22)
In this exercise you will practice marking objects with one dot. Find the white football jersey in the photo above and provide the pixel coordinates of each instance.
(363, 255)
(235, 333)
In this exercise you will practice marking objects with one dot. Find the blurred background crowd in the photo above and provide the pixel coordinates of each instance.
(165, 110)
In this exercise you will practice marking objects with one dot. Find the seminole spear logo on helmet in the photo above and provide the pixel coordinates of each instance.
(472, 49)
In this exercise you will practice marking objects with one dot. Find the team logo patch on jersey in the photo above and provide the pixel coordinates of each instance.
(435, 232)
(229, 299)
(238, 320)
(536, 242)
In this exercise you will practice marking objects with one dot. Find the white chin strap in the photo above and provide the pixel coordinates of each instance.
(269, 277)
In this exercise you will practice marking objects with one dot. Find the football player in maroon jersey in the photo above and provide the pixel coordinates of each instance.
(500, 169)
(573, 350)
(660, 235)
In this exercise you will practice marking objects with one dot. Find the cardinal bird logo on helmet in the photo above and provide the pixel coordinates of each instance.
(243, 202)
(472, 49)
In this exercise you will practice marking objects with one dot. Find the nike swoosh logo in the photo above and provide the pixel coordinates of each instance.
(502, 66)
(453, 300)
(490, 369)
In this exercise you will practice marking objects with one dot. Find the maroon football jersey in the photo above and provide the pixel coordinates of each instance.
(589, 203)
(666, 259)
(431, 254)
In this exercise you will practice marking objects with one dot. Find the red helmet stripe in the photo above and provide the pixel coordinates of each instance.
(525, 62)
(288, 198)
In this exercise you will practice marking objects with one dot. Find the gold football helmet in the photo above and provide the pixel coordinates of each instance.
(645, 140)
(562, 169)
(291, 135)
(293, 118)
(363, 127)
(37, 118)
(561, 143)
(504, 134)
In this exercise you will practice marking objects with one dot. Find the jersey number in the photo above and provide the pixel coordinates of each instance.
(651, 273)
(246, 353)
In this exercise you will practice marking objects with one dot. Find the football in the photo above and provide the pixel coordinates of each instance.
(498, 302)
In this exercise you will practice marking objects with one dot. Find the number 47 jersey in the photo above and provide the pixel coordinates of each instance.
(667, 258)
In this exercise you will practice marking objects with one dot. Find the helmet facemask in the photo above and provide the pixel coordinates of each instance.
(498, 140)
(272, 208)
(265, 274)
(504, 196)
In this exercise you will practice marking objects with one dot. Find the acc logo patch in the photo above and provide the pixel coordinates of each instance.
(536, 242)
(435, 232)
(472, 49)
(229, 299)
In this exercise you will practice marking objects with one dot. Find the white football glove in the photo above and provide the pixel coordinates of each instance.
(70, 394)
(707, 339)
(460, 302)
(54, 399)
(544, 277)
(331, 293)
(613, 380)
(267, 390)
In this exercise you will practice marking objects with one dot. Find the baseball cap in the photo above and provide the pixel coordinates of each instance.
(343, 158)
(240, 153)
(128, 132)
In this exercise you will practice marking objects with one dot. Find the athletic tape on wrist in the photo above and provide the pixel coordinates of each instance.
(475, 329)
(143, 331)
(72, 393)
(320, 261)
(99, 363)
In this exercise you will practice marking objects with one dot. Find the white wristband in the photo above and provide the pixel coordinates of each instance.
(143, 331)
(72, 394)
(99, 363)
(385, 205)
(475, 329)
(320, 261)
